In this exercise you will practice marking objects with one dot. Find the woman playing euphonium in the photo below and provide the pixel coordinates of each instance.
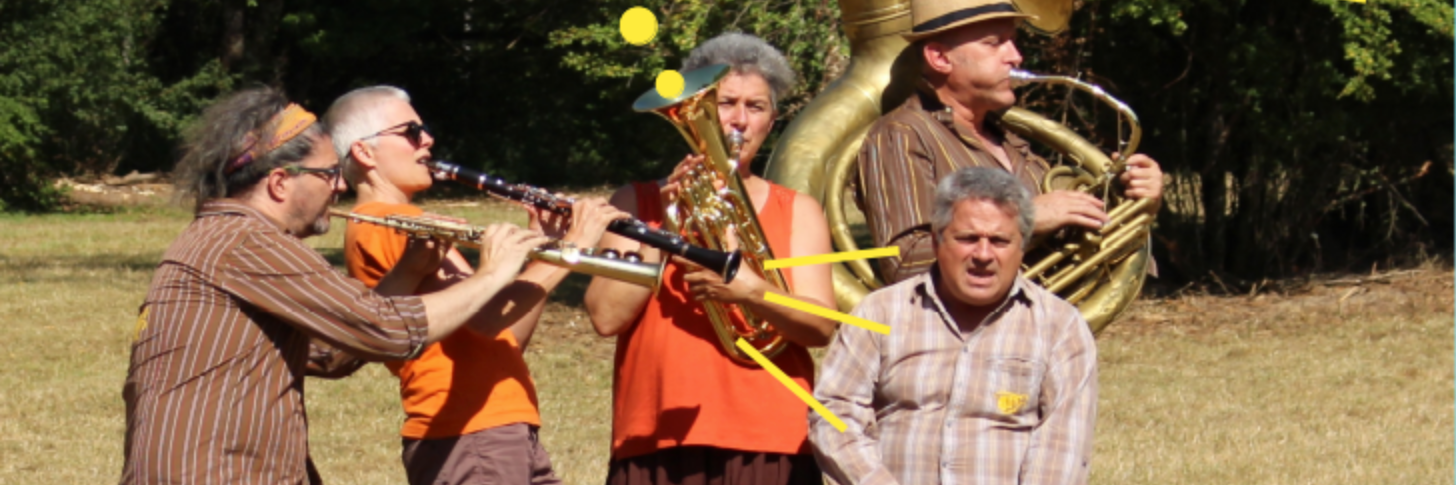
(683, 411)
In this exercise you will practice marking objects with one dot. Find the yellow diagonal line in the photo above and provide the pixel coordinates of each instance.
(789, 383)
(832, 257)
(772, 297)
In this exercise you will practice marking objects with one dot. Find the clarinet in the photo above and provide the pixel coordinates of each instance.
(721, 262)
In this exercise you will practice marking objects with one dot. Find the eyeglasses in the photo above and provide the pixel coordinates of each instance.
(414, 131)
(330, 174)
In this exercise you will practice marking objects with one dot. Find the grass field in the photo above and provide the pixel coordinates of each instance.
(1337, 380)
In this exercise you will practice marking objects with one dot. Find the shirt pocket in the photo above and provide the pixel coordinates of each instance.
(1012, 392)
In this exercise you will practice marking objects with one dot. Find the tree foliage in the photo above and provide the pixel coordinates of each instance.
(1302, 136)
(1297, 134)
(77, 92)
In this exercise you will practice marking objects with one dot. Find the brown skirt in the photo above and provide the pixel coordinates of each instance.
(701, 465)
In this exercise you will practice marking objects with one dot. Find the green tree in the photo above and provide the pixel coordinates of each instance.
(1297, 132)
(76, 94)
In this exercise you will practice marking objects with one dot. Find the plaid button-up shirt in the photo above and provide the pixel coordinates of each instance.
(937, 401)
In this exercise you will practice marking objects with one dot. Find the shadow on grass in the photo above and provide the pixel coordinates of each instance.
(77, 268)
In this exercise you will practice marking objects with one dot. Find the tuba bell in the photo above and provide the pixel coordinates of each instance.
(1101, 273)
(712, 204)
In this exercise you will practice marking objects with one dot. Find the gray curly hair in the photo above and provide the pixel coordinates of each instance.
(216, 139)
(746, 54)
(981, 183)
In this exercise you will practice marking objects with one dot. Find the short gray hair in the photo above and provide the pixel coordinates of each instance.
(746, 54)
(981, 183)
(355, 115)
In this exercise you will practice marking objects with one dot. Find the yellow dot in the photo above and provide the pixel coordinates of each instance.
(639, 26)
(669, 84)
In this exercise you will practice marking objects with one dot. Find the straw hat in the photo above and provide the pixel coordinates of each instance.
(935, 16)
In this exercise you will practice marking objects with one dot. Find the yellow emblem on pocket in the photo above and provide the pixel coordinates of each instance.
(141, 324)
(1010, 402)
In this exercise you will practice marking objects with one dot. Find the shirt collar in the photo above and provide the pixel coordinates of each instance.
(221, 207)
(924, 285)
(928, 102)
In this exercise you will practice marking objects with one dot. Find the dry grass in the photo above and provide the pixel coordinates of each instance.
(1343, 383)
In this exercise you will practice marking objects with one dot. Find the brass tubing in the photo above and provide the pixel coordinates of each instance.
(1136, 230)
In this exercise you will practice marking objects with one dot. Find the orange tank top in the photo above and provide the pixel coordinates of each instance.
(673, 383)
(462, 384)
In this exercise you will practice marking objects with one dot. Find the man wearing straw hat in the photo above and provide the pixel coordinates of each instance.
(967, 49)
(239, 305)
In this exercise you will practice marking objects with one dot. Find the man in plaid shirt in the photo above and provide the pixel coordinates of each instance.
(984, 378)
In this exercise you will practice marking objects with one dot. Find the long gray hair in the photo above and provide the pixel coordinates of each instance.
(981, 183)
(221, 135)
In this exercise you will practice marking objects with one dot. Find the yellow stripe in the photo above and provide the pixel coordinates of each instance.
(772, 297)
(832, 257)
(789, 383)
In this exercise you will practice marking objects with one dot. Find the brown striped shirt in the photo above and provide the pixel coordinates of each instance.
(903, 157)
(937, 401)
(214, 393)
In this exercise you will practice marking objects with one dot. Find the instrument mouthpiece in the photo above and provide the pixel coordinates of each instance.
(1021, 78)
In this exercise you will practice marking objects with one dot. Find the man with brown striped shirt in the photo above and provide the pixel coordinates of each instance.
(984, 379)
(968, 50)
(240, 309)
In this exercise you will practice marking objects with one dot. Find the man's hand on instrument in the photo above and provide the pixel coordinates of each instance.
(504, 248)
(704, 284)
(1142, 178)
(1062, 208)
(589, 219)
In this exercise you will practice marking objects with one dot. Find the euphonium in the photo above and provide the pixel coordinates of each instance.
(712, 204)
(609, 264)
(1100, 272)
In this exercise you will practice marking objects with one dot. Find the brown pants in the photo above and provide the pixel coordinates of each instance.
(701, 465)
(509, 454)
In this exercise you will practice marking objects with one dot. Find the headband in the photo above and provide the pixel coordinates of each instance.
(287, 124)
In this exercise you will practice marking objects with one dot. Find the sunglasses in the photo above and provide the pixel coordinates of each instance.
(330, 174)
(413, 131)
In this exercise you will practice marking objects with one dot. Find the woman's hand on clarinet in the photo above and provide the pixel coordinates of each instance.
(551, 224)
(589, 220)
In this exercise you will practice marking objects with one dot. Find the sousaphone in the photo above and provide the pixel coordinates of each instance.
(1101, 272)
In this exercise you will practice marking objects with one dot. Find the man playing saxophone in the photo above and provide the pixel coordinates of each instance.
(456, 431)
(967, 49)
(683, 410)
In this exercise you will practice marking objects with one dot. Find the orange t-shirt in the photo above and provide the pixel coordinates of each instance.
(459, 385)
(674, 385)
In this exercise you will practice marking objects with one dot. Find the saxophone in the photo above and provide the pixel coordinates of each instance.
(1099, 272)
(610, 264)
(712, 204)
